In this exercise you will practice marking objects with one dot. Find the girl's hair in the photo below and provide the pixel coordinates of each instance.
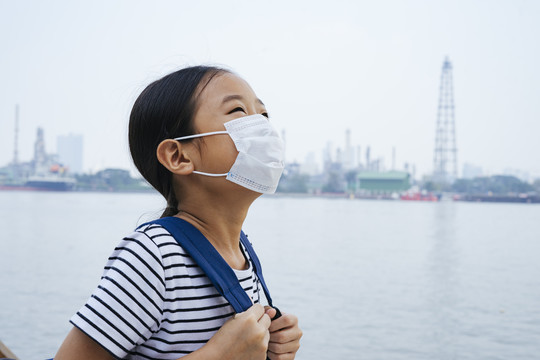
(165, 110)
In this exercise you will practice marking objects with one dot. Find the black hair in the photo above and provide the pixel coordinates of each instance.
(165, 110)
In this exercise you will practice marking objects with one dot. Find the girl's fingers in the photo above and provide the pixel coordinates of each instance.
(290, 347)
(285, 321)
(265, 321)
(286, 335)
(270, 311)
(257, 311)
(274, 356)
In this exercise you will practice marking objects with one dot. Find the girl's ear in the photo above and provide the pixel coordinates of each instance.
(172, 155)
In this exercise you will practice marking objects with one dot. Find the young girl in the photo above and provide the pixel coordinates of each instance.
(201, 137)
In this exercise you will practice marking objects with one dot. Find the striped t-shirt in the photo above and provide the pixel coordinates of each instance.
(153, 300)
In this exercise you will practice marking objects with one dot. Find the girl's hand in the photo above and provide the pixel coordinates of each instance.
(284, 338)
(244, 337)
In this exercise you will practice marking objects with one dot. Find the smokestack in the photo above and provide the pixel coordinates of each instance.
(16, 142)
(368, 161)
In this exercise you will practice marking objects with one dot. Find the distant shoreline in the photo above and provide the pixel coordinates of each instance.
(523, 198)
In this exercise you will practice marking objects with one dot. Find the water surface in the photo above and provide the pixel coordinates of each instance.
(368, 279)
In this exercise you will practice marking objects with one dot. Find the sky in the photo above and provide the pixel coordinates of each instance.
(321, 67)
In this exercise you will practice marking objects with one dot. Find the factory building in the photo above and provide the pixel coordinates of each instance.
(383, 182)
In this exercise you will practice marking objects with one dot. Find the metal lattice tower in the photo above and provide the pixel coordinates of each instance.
(445, 155)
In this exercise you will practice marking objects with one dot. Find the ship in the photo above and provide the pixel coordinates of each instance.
(42, 183)
(51, 183)
(419, 196)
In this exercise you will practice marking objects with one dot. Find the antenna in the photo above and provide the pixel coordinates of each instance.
(445, 155)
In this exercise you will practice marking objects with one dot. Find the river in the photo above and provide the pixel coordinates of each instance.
(367, 279)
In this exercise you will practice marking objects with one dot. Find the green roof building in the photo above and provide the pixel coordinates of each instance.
(383, 182)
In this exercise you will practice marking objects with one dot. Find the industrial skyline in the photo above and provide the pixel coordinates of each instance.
(371, 67)
(69, 153)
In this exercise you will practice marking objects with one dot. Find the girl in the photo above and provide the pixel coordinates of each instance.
(201, 137)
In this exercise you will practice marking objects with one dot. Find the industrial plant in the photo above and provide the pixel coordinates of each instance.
(347, 171)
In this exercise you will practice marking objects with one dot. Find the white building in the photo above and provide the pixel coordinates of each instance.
(70, 152)
(471, 171)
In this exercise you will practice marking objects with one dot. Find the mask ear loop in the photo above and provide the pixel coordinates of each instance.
(209, 174)
(201, 135)
(198, 136)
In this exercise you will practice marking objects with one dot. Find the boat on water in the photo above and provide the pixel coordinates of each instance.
(419, 196)
(51, 183)
(43, 183)
(501, 198)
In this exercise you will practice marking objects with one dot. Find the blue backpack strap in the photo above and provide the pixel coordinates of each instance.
(212, 263)
(256, 264)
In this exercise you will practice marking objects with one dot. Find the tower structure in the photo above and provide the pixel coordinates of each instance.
(445, 155)
(40, 156)
(348, 156)
(16, 142)
(15, 163)
(368, 159)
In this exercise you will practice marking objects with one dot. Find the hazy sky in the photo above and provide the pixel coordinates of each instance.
(320, 67)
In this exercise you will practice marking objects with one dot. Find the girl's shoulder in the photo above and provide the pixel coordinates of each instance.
(154, 235)
(157, 242)
(137, 287)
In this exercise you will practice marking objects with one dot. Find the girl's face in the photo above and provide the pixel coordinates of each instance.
(226, 97)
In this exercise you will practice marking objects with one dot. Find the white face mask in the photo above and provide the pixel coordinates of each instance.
(261, 152)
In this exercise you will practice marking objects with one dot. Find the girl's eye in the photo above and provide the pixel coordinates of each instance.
(265, 114)
(236, 109)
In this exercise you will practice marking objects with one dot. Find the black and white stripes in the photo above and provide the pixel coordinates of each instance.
(154, 301)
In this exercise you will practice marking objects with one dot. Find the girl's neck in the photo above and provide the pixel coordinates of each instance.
(220, 221)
